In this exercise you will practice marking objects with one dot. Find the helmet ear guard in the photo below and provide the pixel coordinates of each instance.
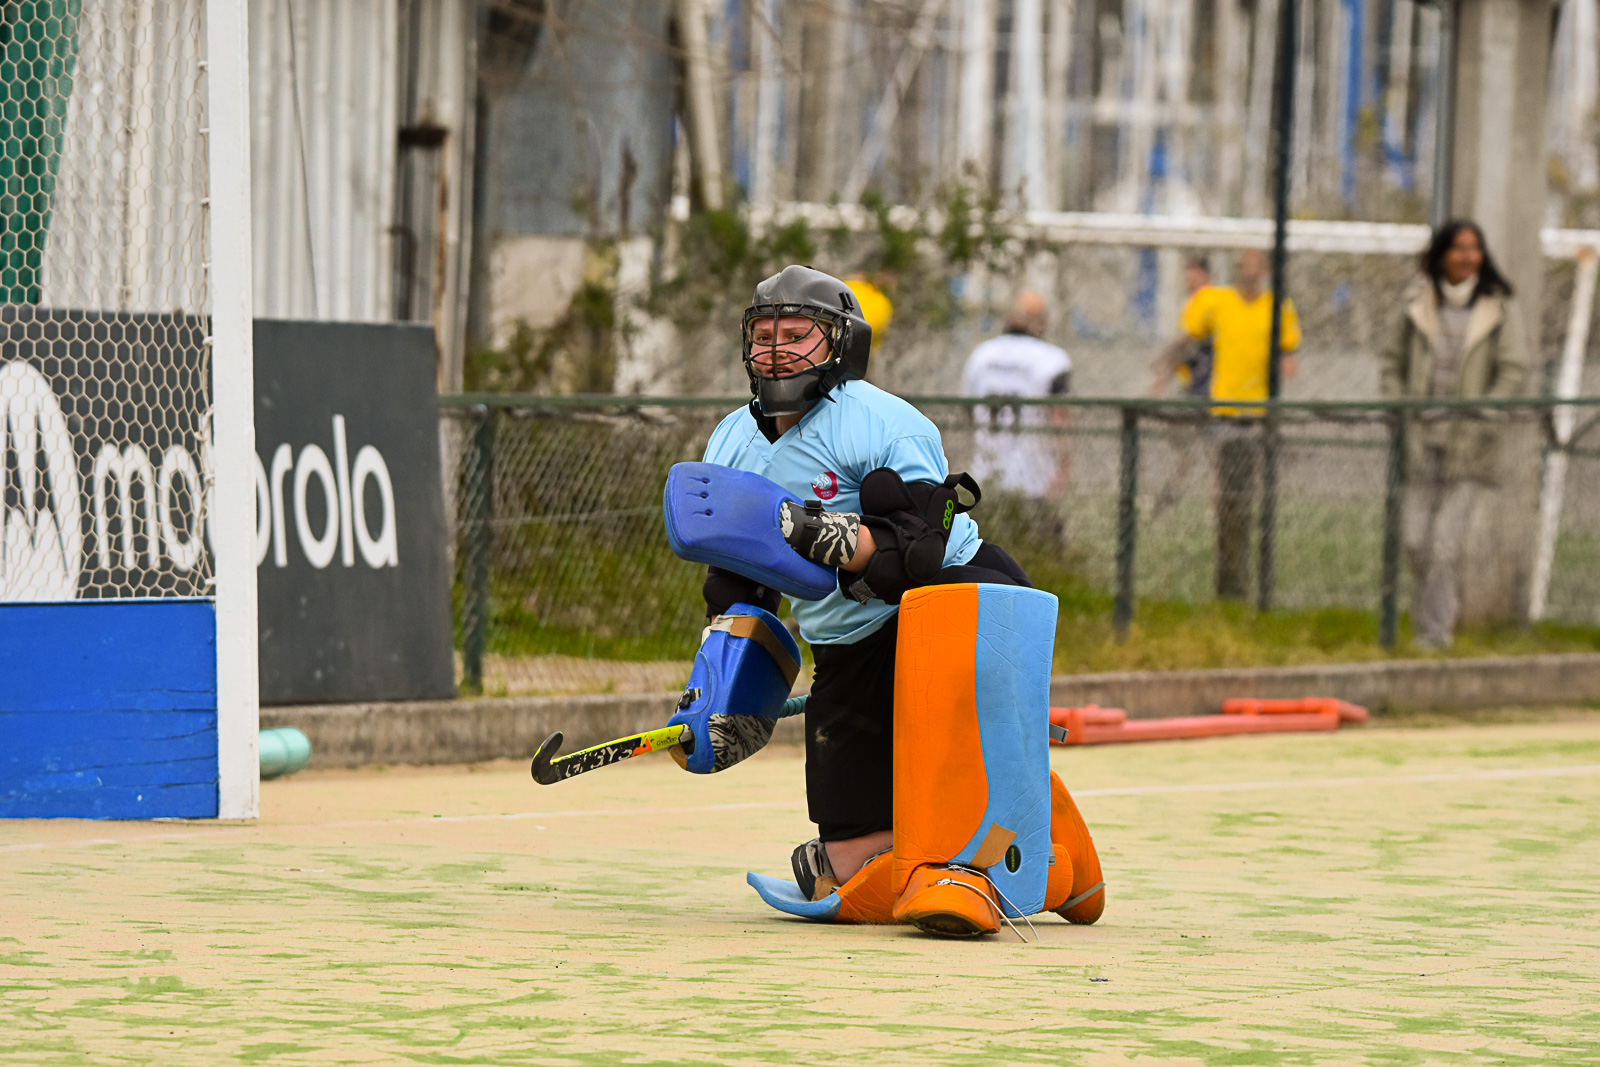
(802, 292)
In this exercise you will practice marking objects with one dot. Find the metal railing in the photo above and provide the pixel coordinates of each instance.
(1298, 504)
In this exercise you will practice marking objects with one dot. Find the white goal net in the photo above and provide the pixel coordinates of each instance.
(105, 368)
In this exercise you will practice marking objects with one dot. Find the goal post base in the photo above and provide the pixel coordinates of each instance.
(110, 710)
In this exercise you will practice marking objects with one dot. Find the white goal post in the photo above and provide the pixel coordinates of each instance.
(128, 488)
(233, 398)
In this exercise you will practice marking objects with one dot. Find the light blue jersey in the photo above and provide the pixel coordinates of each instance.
(858, 429)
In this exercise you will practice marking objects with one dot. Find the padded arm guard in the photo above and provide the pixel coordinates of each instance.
(733, 519)
(746, 665)
(910, 524)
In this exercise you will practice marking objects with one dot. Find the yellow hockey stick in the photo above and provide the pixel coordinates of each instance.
(548, 768)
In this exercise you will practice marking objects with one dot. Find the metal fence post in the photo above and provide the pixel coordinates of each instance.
(478, 504)
(1267, 569)
(1288, 48)
(1394, 480)
(1127, 523)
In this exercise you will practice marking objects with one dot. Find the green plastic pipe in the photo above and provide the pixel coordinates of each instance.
(283, 751)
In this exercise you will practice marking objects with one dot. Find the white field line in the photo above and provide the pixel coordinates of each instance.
(1340, 783)
(1294, 784)
(211, 830)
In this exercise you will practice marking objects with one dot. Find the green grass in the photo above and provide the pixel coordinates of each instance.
(1177, 626)
(581, 565)
(1165, 635)
(1176, 635)
(616, 591)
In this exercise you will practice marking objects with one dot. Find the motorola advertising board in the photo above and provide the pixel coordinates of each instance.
(354, 581)
(105, 470)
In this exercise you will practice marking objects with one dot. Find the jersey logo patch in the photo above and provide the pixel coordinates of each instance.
(825, 485)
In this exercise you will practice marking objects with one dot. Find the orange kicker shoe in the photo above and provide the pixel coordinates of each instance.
(948, 902)
(1077, 888)
(868, 897)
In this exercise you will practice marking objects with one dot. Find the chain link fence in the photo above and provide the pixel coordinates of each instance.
(560, 549)
(560, 546)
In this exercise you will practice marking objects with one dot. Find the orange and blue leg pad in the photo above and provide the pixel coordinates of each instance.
(971, 766)
(972, 737)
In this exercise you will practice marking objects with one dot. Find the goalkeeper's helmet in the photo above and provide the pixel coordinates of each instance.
(789, 373)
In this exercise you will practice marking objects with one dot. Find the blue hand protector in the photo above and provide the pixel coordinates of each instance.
(729, 519)
(742, 673)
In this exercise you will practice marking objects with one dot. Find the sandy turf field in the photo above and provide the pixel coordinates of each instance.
(1387, 896)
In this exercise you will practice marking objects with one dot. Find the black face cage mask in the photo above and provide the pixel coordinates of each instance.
(794, 392)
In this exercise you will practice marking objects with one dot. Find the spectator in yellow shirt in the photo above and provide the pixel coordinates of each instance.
(1237, 320)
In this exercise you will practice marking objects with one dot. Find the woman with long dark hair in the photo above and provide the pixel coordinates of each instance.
(1460, 338)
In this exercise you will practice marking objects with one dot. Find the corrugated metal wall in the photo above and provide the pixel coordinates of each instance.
(324, 121)
(361, 161)
(358, 215)
(582, 146)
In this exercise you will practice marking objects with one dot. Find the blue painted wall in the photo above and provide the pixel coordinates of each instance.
(108, 710)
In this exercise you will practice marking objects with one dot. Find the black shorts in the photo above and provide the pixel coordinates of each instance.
(850, 716)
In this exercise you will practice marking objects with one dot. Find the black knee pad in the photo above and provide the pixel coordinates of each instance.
(723, 589)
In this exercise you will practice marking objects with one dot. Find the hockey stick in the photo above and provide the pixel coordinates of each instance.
(548, 769)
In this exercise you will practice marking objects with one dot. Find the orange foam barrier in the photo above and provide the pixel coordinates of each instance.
(1095, 715)
(1094, 725)
(1251, 706)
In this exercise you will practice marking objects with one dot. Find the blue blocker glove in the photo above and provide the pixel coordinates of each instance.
(742, 674)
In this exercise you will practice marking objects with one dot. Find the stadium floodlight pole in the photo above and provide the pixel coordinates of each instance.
(1289, 36)
(1444, 115)
(233, 494)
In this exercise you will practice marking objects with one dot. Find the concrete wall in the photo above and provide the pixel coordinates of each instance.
(532, 279)
(467, 731)
(1406, 685)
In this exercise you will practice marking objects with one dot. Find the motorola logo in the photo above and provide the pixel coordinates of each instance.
(41, 534)
(341, 487)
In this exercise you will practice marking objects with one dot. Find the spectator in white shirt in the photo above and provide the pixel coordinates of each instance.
(1010, 453)
(1017, 458)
